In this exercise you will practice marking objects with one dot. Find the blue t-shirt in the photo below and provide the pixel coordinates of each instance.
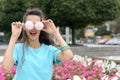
(35, 64)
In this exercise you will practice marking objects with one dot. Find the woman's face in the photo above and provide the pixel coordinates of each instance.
(33, 34)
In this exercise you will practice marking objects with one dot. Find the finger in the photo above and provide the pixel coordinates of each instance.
(50, 20)
(16, 23)
(13, 23)
(19, 24)
(23, 24)
(44, 30)
(44, 21)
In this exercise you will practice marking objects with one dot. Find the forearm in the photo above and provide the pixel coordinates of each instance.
(65, 54)
(60, 40)
(8, 61)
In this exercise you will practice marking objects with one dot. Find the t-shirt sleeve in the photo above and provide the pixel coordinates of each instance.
(14, 56)
(55, 53)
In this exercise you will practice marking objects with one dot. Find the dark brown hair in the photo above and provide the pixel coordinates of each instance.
(43, 37)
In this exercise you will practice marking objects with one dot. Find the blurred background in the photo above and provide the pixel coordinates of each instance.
(79, 21)
(92, 27)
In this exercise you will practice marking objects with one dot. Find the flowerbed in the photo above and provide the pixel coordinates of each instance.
(84, 68)
(5, 75)
(80, 68)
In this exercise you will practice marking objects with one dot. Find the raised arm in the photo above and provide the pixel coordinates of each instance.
(8, 62)
(50, 28)
(66, 53)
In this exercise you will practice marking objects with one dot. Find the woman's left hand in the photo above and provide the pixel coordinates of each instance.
(49, 26)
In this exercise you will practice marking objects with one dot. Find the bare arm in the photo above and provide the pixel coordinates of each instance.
(51, 29)
(7, 60)
(65, 54)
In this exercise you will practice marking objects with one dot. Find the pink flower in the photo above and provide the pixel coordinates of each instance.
(2, 77)
(4, 74)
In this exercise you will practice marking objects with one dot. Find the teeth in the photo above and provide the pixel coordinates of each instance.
(33, 32)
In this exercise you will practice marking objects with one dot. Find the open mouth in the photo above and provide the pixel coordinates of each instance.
(33, 33)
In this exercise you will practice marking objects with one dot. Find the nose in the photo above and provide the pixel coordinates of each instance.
(33, 28)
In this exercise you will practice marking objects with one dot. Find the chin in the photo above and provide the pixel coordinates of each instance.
(33, 38)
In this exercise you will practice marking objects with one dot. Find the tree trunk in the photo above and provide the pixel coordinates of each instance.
(73, 36)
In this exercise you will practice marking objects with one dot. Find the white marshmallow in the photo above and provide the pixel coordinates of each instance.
(29, 25)
(39, 25)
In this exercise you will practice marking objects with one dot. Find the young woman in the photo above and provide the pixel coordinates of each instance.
(35, 55)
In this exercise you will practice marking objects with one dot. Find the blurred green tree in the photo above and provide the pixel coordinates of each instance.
(80, 13)
(12, 10)
(72, 13)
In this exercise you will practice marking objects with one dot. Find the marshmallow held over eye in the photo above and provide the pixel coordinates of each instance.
(39, 25)
(29, 25)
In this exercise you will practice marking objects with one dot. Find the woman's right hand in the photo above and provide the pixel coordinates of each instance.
(16, 29)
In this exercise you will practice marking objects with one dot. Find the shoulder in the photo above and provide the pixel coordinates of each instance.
(18, 48)
(48, 46)
(18, 45)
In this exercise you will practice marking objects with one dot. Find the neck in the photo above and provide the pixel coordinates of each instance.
(34, 44)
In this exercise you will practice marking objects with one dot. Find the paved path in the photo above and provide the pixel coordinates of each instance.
(2, 49)
(96, 51)
(88, 50)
